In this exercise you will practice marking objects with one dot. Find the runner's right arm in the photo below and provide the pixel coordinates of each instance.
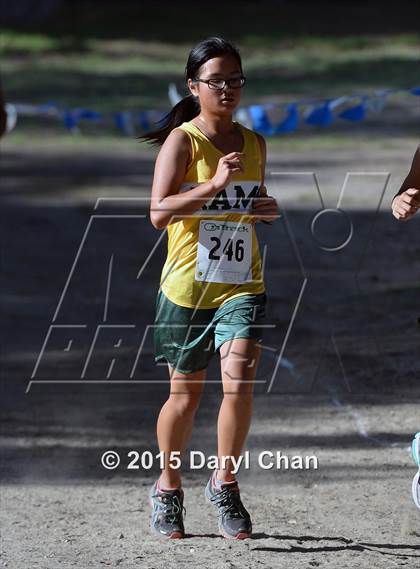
(168, 204)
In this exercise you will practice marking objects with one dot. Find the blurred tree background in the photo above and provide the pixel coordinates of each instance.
(116, 56)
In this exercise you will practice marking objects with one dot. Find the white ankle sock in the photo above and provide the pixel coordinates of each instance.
(218, 483)
(159, 487)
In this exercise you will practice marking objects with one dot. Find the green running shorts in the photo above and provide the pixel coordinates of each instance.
(188, 341)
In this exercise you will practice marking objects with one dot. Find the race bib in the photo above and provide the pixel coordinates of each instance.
(224, 252)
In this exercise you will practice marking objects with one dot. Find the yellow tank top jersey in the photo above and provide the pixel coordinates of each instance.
(207, 261)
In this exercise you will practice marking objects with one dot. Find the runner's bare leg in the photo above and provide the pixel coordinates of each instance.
(176, 420)
(239, 362)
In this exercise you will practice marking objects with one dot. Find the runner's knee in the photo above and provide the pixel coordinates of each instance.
(186, 402)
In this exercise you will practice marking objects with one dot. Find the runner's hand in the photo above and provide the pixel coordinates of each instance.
(406, 204)
(226, 168)
(264, 208)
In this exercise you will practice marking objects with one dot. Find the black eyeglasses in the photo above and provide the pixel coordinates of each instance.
(220, 84)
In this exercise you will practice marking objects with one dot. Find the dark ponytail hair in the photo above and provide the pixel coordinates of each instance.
(189, 107)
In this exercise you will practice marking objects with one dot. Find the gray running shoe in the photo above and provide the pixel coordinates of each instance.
(233, 519)
(167, 516)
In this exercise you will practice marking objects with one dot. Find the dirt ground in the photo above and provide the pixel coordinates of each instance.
(338, 378)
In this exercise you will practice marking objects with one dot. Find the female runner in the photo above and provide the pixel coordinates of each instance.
(212, 297)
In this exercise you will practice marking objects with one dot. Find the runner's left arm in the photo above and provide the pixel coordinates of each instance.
(407, 206)
(265, 205)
